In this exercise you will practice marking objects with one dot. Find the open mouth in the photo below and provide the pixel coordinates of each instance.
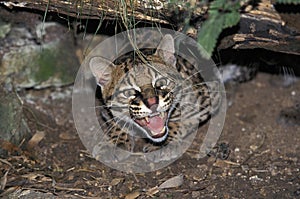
(154, 124)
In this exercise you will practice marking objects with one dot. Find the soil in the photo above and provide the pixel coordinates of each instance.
(262, 132)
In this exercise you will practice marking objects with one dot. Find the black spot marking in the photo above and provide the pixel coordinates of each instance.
(135, 108)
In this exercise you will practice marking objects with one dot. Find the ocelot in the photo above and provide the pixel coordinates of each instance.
(159, 98)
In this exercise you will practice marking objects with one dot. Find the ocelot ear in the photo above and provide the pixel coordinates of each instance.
(101, 69)
(166, 50)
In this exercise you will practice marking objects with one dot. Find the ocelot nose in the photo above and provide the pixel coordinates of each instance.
(151, 101)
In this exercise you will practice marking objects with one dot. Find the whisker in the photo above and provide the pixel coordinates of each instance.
(289, 77)
(101, 106)
(188, 78)
(111, 127)
(210, 92)
(190, 104)
(123, 128)
(113, 119)
(113, 104)
(115, 143)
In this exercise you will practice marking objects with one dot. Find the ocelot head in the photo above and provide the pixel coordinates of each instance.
(141, 95)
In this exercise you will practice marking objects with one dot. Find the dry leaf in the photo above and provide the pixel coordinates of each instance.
(172, 182)
(133, 195)
(5, 162)
(32, 176)
(36, 138)
(9, 190)
(224, 163)
(116, 181)
(67, 136)
(3, 181)
(151, 192)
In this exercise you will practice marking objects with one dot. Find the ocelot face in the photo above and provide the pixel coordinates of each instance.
(144, 97)
(149, 98)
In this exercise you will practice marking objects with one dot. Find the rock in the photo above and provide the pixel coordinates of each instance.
(40, 58)
(13, 127)
(4, 29)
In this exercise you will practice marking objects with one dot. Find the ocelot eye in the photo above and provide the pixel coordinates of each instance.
(129, 93)
(161, 83)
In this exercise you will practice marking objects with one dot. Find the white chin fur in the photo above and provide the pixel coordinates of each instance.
(160, 139)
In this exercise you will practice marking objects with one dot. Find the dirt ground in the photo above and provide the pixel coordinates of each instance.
(262, 130)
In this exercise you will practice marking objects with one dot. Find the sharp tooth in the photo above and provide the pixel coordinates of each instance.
(162, 114)
(147, 119)
(163, 130)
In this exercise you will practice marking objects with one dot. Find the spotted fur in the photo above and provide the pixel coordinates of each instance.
(160, 98)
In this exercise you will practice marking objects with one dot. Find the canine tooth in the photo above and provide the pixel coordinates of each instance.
(147, 119)
(163, 130)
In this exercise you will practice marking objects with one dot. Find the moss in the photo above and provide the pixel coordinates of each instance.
(56, 64)
(46, 65)
(4, 29)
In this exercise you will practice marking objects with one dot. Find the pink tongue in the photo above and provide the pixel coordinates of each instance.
(155, 124)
